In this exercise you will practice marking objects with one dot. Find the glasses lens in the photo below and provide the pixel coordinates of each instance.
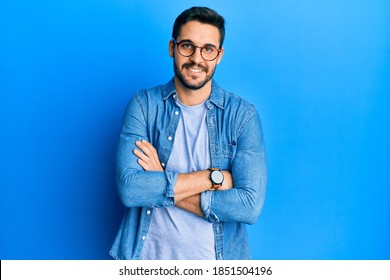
(209, 52)
(186, 49)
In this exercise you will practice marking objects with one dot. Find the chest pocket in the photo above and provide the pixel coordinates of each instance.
(228, 154)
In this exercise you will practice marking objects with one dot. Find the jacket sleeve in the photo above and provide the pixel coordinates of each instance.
(136, 187)
(245, 201)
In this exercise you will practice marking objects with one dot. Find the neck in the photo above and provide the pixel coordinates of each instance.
(191, 97)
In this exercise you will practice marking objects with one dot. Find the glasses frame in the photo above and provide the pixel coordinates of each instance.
(196, 47)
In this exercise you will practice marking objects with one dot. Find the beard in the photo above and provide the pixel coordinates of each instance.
(192, 84)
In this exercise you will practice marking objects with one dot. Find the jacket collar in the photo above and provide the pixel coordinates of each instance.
(216, 96)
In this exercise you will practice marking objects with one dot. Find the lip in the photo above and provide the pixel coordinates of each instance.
(194, 70)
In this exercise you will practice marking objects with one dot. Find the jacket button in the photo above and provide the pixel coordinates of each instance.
(170, 138)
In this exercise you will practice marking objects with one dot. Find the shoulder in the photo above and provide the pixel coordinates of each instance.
(237, 102)
(228, 100)
(146, 95)
(238, 110)
(237, 105)
(152, 96)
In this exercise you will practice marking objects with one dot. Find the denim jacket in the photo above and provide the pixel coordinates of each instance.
(236, 145)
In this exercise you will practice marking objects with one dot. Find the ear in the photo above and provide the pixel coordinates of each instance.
(171, 47)
(219, 59)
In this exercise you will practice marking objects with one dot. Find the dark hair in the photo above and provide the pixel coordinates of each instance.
(203, 15)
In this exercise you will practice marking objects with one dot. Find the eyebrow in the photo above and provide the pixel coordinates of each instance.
(189, 41)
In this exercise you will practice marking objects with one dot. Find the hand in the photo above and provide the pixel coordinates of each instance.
(147, 156)
(227, 183)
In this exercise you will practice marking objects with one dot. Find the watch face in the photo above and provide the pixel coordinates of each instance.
(217, 177)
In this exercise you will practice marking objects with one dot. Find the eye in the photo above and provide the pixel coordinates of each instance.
(209, 49)
(187, 46)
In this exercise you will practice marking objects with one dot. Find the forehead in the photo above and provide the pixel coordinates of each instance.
(199, 33)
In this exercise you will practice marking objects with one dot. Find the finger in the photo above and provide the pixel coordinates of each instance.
(153, 152)
(149, 146)
(141, 155)
(148, 155)
(149, 163)
(143, 164)
(149, 150)
(144, 148)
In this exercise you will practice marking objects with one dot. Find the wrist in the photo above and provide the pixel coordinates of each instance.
(216, 177)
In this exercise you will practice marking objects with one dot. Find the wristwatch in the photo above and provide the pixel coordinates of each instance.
(216, 178)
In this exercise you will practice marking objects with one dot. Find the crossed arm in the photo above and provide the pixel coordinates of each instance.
(189, 186)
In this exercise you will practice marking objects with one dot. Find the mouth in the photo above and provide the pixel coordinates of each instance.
(194, 69)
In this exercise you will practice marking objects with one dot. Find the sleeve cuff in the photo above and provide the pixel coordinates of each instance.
(169, 191)
(205, 204)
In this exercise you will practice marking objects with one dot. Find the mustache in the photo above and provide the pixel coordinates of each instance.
(190, 65)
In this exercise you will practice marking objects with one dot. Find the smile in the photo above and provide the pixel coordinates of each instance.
(195, 70)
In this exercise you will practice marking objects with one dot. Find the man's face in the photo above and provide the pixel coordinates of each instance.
(194, 72)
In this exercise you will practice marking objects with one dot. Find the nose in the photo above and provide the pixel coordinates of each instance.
(196, 57)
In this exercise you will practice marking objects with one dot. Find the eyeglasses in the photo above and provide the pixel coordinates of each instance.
(187, 48)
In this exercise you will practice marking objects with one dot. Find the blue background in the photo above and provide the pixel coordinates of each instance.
(318, 72)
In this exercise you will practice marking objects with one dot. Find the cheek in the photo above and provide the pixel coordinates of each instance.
(180, 61)
(211, 67)
(176, 62)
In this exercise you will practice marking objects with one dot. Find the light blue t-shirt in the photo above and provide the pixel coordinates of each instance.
(175, 233)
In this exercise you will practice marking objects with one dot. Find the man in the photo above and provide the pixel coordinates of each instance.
(191, 164)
